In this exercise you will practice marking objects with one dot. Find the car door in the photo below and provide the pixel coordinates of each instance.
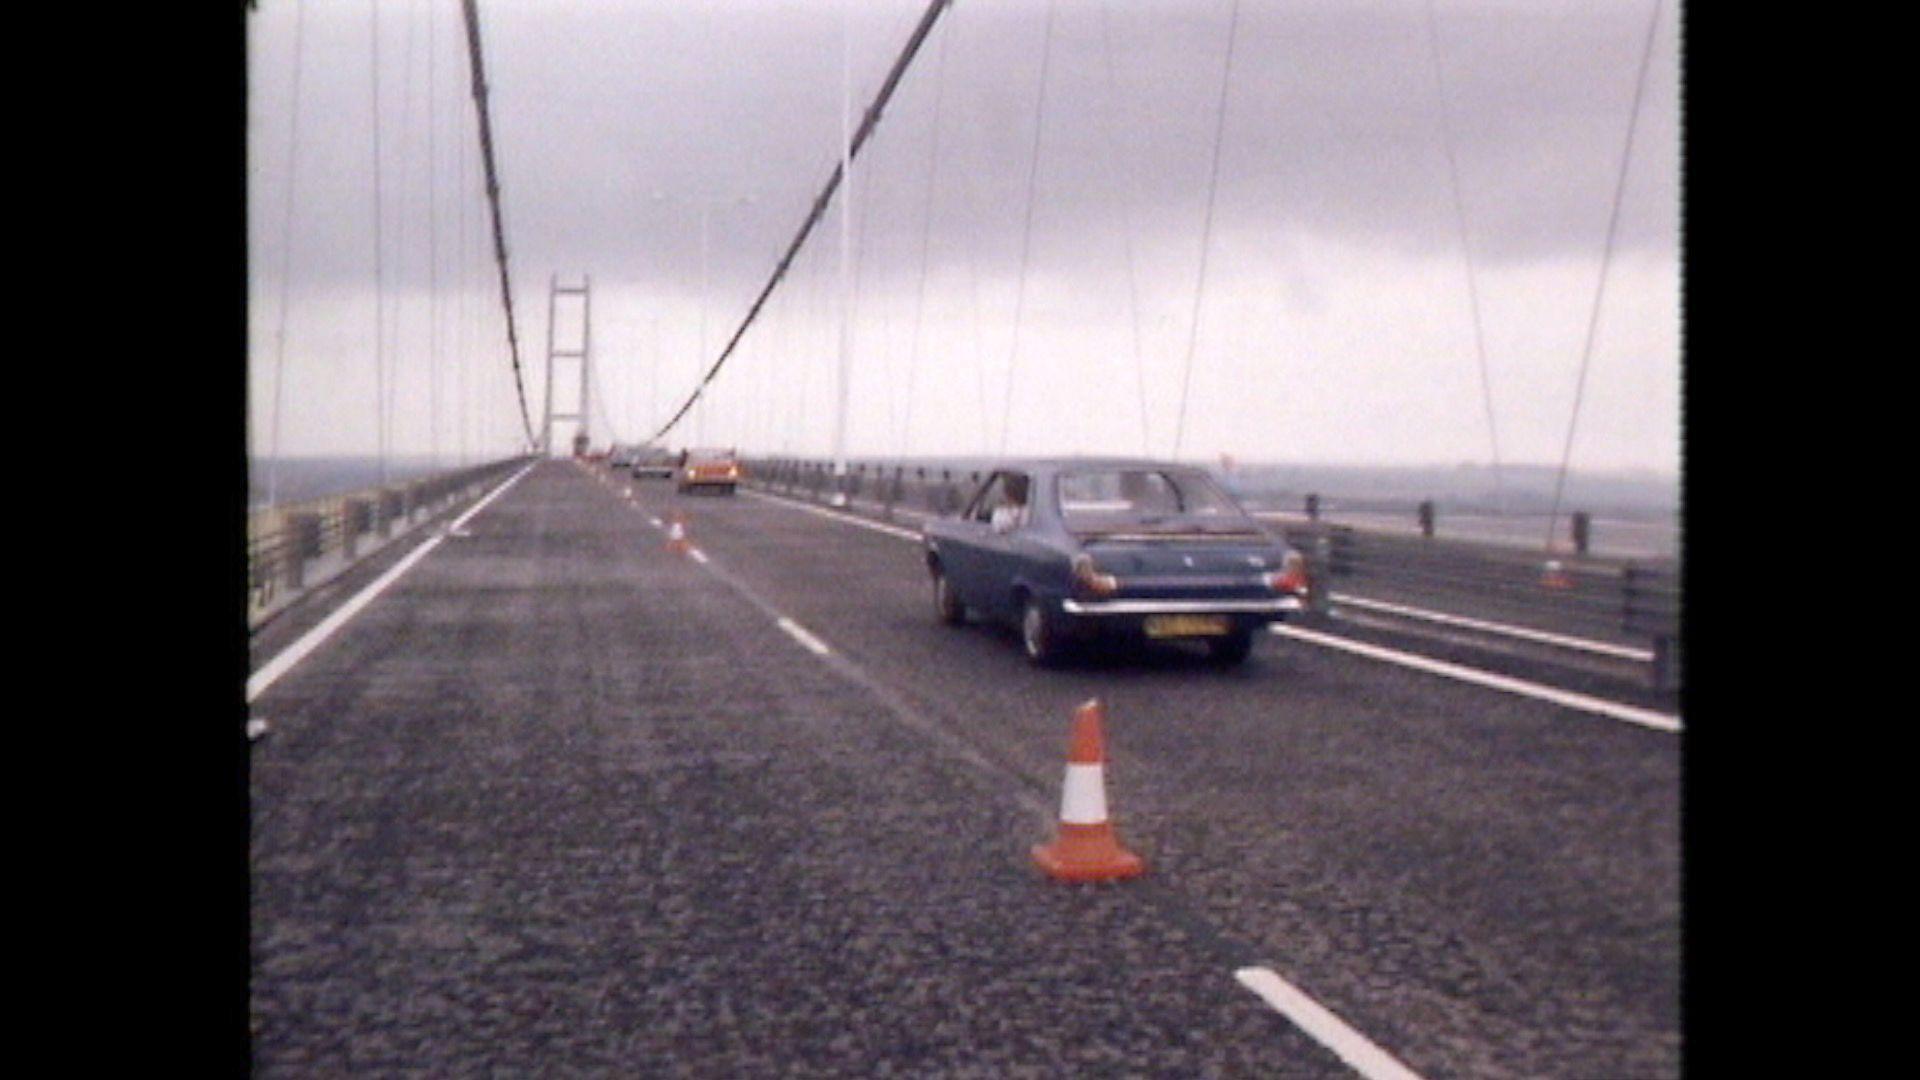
(1006, 547)
(963, 548)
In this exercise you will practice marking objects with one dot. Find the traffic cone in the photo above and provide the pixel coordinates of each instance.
(677, 542)
(1086, 848)
(1555, 576)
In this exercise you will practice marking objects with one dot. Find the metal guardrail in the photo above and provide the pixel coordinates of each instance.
(285, 542)
(1565, 592)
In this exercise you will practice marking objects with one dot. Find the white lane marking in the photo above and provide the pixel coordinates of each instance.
(890, 530)
(799, 633)
(1604, 648)
(270, 672)
(1330, 1031)
(657, 523)
(1567, 698)
(698, 555)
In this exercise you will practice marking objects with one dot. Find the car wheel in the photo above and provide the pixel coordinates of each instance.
(1231, 650)
(1039, 637)
(945, 604)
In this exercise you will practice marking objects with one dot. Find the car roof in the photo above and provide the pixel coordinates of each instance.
(1061, 464)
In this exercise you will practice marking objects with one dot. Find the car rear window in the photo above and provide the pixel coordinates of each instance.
(1123, 498)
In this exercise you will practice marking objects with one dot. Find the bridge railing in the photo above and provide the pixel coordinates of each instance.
(293, 547)
(1569, 592)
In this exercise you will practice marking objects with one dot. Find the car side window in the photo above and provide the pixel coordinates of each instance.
(992, 495)
(1002, 503)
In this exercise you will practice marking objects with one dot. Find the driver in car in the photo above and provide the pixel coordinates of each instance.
(1012, 512)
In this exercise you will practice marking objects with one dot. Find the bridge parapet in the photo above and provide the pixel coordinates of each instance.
(294, 547)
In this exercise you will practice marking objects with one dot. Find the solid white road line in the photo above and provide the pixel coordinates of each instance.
(1330, 1031)
(270, 672)
(1604, 648)
(1586, 703)
(890, 530)
(799, 633)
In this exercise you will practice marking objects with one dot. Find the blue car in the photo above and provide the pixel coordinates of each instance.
(1074, 550)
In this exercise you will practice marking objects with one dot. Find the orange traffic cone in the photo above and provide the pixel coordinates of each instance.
(677, 542)
(1085, 848)
(1555, 576)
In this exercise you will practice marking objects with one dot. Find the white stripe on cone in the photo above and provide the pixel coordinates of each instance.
(1083, 798)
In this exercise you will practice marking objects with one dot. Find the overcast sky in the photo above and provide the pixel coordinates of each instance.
(1335, 322)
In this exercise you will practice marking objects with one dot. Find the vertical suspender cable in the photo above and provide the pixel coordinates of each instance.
(1206, 227)
(1026, 234)
(1126, 217)
(286, 258)
(398, 314)
(845, 366)
(379, 265)
(1606, 260)
(1466, 251)
(926, 233)
(433, 257)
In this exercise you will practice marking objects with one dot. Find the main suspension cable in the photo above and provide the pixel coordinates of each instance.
(471, 10)
(867, 124)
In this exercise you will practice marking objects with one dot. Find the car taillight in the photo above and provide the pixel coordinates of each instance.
(1292, 575)
(1089, 578)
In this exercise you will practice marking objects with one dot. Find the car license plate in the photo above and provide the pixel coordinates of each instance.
(1159, 626)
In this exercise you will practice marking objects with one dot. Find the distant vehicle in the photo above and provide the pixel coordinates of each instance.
(1076, 550)
(713, 469)
(654, 461)
(621, 457)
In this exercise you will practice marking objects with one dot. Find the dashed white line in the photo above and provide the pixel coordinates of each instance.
(1328, 1030)
(800, 634)
(272, 670)
(697, 555)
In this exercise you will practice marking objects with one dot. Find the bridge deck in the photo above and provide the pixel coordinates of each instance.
(560, 800)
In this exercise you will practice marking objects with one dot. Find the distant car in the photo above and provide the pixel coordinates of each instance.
(655, 462)
(1076, 550)
(621, 457)
(711, 469)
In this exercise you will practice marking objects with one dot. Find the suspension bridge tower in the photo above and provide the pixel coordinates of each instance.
(583, 356)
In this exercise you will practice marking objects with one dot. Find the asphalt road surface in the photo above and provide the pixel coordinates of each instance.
(560, 801)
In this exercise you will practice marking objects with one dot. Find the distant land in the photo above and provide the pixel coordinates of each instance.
(298, 479)
(1464, 488)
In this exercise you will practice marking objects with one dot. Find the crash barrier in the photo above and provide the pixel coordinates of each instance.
(296, 546)
(1632, 602)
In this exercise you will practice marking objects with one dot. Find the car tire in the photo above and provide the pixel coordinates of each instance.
(1039, 634)
(946, 605)
(1232, 650)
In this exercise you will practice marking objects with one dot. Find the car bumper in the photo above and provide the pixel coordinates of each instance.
(1277, 607)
